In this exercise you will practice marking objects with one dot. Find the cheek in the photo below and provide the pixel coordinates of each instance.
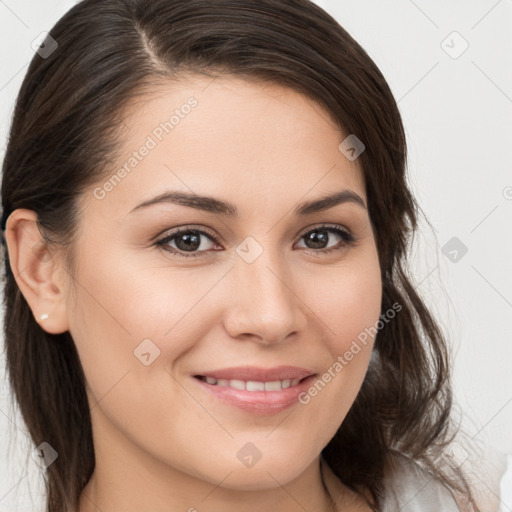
(348, 302)
(123, 311)
(347, 306)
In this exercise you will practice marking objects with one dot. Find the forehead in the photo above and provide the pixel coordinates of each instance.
(264, 143)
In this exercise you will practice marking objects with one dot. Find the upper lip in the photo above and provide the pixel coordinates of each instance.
(258, 374)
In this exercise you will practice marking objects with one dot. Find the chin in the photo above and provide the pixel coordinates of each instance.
(250, 479)
(264, 474)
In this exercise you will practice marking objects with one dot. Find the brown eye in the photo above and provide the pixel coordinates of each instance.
(317, 239)
(186, 240)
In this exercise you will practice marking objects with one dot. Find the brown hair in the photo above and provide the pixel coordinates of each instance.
(63, 135)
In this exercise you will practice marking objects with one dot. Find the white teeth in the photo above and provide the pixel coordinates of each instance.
(237, 384)
(274, 385)
(251, 385)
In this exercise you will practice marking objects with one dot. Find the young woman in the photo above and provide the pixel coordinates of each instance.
(207, 303)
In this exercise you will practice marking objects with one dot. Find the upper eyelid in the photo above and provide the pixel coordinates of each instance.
(206, 231)
(215, 239)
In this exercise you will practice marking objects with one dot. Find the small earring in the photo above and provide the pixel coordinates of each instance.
(44, 316)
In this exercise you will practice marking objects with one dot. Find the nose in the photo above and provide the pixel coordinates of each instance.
(265, 306)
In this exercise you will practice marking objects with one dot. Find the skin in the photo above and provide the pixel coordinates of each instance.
(161, 441)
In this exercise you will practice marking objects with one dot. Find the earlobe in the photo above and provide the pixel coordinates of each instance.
(36, 271)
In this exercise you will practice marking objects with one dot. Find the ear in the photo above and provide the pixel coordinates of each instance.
(37, 271)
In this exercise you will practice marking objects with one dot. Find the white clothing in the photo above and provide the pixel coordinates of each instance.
(409, 488)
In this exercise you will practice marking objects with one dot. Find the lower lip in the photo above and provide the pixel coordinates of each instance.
(258, 402)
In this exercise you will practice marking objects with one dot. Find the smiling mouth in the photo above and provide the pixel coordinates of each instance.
(252, 385)
(257, 396)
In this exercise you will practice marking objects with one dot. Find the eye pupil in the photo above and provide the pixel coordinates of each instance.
(319, 241)
(191, 240)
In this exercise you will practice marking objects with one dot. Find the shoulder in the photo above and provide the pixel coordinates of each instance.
(410, 488)
(407, 488)
(506, 485)
(490, 475)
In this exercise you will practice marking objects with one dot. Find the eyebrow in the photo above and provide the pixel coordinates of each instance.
(216, 206)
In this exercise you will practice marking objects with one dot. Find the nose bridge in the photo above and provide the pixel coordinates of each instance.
(266, 304)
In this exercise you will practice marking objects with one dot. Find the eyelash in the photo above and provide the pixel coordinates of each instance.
(347, 238)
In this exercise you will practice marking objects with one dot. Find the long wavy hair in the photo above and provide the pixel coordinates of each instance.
(64, 134)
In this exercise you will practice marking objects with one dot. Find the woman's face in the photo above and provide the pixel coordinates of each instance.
(268, 286)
